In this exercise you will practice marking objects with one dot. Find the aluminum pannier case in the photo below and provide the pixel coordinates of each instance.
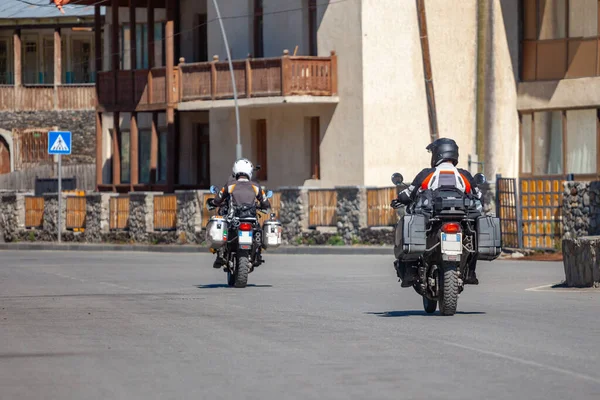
(272, 234)
(216, 232)
(411, 237)
(489, 238)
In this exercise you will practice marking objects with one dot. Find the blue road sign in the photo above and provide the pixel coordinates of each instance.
(59, 142)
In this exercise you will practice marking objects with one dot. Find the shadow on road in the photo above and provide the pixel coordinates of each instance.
(223, 285)
(416, 313)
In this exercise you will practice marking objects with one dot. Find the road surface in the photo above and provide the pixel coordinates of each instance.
(164, 326)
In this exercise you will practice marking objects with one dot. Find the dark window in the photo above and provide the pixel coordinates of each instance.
(315, 144)
(201, 38)
(312, 27)
(260, 146)
(258, 29)
(203, 155)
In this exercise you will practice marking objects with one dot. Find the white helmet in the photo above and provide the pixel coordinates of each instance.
(243, 166)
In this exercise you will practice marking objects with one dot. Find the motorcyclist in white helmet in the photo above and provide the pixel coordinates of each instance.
(242, 192)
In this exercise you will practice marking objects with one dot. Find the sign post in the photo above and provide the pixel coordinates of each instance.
(59, 143)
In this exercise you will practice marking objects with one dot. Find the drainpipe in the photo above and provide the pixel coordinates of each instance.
(481, 61)
(422, 19)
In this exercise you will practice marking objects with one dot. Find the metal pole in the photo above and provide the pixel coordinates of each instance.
(238, 146)
(59, 197)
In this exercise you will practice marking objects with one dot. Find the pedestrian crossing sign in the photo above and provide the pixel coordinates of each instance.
(59, 142)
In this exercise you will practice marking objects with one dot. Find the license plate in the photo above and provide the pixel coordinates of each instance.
(451, 243)
(245, 237)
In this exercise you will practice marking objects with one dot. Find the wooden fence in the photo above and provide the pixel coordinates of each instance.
(322, 205)
(379, 211)
(76, 211)
(34, 212)
(119, 213)
(25, 179)
(47, 97)
(165, 212)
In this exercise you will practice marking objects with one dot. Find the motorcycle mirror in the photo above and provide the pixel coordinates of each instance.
(480, 179)
(269, 194)
(257, 168)
(397, 178)
(213, 189)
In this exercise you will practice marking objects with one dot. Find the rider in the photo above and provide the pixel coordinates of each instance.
(242, 191)
(443, 172)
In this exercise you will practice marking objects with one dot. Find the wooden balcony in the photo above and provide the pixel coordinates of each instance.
(145, 90)
(265, 77)
(47, 97)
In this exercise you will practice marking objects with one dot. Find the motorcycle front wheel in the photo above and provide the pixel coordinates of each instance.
(429, 305)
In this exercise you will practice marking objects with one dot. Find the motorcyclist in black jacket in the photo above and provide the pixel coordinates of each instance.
(443, 172)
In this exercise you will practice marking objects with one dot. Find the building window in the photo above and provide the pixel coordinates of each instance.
(5, 76)
(141, 46)
(258, 29)
(315, 144)
(312, 28)
(201, 45)
(124, 146)
(559, 142)
(203, 155)
(260, 148)
(559, 39)
(145, 137)
(162, 155)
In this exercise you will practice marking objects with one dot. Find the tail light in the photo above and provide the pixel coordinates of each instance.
(451, 227)
(244, 226)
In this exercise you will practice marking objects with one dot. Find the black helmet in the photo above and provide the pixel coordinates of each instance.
(443, 149)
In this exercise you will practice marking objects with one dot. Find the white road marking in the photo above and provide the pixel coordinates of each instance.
(528, 362)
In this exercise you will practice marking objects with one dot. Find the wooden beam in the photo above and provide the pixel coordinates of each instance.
(116, 156)
(115, 46)
(97, 49)
(134, 150)
(17, 57)
(151, 44)
(46, 26)
(171, 151)
(99, 153)
(154, 149)
(170, 50)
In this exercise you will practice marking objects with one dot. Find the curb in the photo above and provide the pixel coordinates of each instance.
(306, 250)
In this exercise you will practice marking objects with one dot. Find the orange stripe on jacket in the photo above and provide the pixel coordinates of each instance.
(425, 183)
(467, 184)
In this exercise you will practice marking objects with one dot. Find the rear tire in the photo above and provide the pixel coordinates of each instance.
(243, 269)
(429, 305)
(449, 290)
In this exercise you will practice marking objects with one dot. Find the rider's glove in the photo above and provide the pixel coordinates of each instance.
(210, 203)
(396, 203)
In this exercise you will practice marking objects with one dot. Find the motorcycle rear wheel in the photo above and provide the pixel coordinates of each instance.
(448, 292)
(242, 271)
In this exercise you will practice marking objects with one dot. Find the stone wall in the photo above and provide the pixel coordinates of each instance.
(351, 220)
(9, 215)
(581, 209)
(81, 123)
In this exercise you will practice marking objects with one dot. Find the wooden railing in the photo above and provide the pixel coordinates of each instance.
(34, 212)
(47, 97)
(322, 205)
(145, 88)
(282, 76)
(76, 211)
(379, 211)
(119, 213)
(165, 212)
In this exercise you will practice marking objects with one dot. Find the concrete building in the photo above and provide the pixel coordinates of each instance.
(513, 82)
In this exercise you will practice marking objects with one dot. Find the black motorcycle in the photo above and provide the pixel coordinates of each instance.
(438, 241)
(239, 234)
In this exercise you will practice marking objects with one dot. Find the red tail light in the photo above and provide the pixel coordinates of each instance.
(451, 228)
(244, 226)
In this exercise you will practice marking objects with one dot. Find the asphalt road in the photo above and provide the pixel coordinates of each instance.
(164, 326)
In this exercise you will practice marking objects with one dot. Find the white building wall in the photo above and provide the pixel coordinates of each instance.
(395, 108)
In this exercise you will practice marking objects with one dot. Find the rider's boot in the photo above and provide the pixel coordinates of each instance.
(220, 260)
(405, 272)
(471, 278)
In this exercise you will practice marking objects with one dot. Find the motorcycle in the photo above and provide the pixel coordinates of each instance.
(441, 236)
(239, 235)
